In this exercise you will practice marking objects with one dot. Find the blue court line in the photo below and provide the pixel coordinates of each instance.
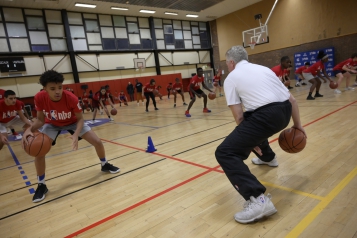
(22, 172)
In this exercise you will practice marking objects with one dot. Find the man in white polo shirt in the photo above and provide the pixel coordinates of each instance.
(268, 108)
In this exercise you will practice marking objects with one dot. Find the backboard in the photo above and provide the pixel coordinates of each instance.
(258, 35)
(139, 63)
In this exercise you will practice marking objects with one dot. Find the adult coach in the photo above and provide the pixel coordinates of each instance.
(268, 108)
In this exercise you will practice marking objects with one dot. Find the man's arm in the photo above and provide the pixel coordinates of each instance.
(296, 114)
(237, 112)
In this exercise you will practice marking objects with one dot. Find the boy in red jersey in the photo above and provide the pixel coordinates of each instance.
(148, 92)
(98, 101)
(344, 70)
(298, 72)
(194, 89)
(217, 83)
(282, 71)
(177, 88)
(10, 114)
(57, 110)
(312, 74)
(85, 102)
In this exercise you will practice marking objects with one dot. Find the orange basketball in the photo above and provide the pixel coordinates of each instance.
(113, 111)
(38, 145)
(333, 85)
(287, 83)
(215, 84)
(292, 140)
(211, 95)
(88, 109)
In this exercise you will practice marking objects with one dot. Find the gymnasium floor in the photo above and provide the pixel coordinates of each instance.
(180, 191)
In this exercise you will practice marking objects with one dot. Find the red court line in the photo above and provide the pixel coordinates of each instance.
(177, 185)
(139, 203)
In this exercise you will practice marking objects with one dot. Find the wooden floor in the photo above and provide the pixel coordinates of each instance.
(180, 191)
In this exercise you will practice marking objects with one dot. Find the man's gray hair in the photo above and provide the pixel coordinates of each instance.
(237, 53)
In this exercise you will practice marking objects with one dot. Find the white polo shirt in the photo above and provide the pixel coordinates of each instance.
(254, 86)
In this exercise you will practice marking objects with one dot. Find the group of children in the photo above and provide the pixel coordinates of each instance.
(316, 72)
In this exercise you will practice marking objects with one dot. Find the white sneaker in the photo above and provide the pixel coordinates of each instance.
(337, 91)
(273, 163)
(349, 88)
(111, 119)
(255, 209)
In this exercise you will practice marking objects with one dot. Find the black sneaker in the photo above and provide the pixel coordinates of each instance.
(303, 84)
(146, 110)
(110, 168)
(185, 104)
(156, 108)
(317, 95)
(40, 193)
(310, 97)
(175, 105)
(289, 87)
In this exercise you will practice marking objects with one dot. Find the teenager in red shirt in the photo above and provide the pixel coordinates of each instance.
(10, 114)
(57, 110)
(98, 101)
(194, 89)
(177, 88)
(298, 72)
(282, 71)
(312, 74)
(148, 92)
(344, 70)
(217, 83)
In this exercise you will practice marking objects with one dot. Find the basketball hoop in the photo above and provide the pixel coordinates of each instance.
(252, 44)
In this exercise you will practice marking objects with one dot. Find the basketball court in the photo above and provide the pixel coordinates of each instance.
(180, 190)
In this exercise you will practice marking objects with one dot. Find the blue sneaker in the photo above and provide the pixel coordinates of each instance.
(187, 114)
(206, 110)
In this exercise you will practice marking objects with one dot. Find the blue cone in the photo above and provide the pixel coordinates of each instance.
(151, 147)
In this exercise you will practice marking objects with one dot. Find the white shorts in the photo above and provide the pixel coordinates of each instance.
(52, 130)
(14, 122)
(308, 76)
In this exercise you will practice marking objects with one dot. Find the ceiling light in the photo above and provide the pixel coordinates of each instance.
(85, 5)
(119, 8)
(171, 13)
(190, 15)
(148, 11)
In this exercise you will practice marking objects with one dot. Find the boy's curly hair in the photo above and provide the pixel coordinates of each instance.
(51, 76)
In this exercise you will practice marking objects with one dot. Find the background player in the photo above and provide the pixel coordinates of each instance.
(282, 71)
(123, 98)
(344, 70)
(217, 83)
(10, 114)
(298, 73)
(194, 89)
(177, 88)
(57, 110)
(99, 100)
(148, 92)
(139, 91)
(312, 74)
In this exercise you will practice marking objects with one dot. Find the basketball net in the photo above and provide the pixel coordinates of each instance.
(252, 44)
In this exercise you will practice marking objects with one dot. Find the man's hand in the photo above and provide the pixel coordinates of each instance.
(300, 128)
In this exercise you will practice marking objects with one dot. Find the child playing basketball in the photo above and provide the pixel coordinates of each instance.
(298, 72)
(282, 71)
(85, 102)
(57, 110)
(177, 88)
(312, 74)
(344, 70)
(169, 89)
(194, 89)
(10, 114)
(148, 92)
(217, 83)
(123, 98)
(99, 99)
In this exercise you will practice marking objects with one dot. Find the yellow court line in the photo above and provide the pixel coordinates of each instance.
(304, 223)
(292, 190)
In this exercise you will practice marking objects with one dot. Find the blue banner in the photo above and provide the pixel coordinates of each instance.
(310, 56)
